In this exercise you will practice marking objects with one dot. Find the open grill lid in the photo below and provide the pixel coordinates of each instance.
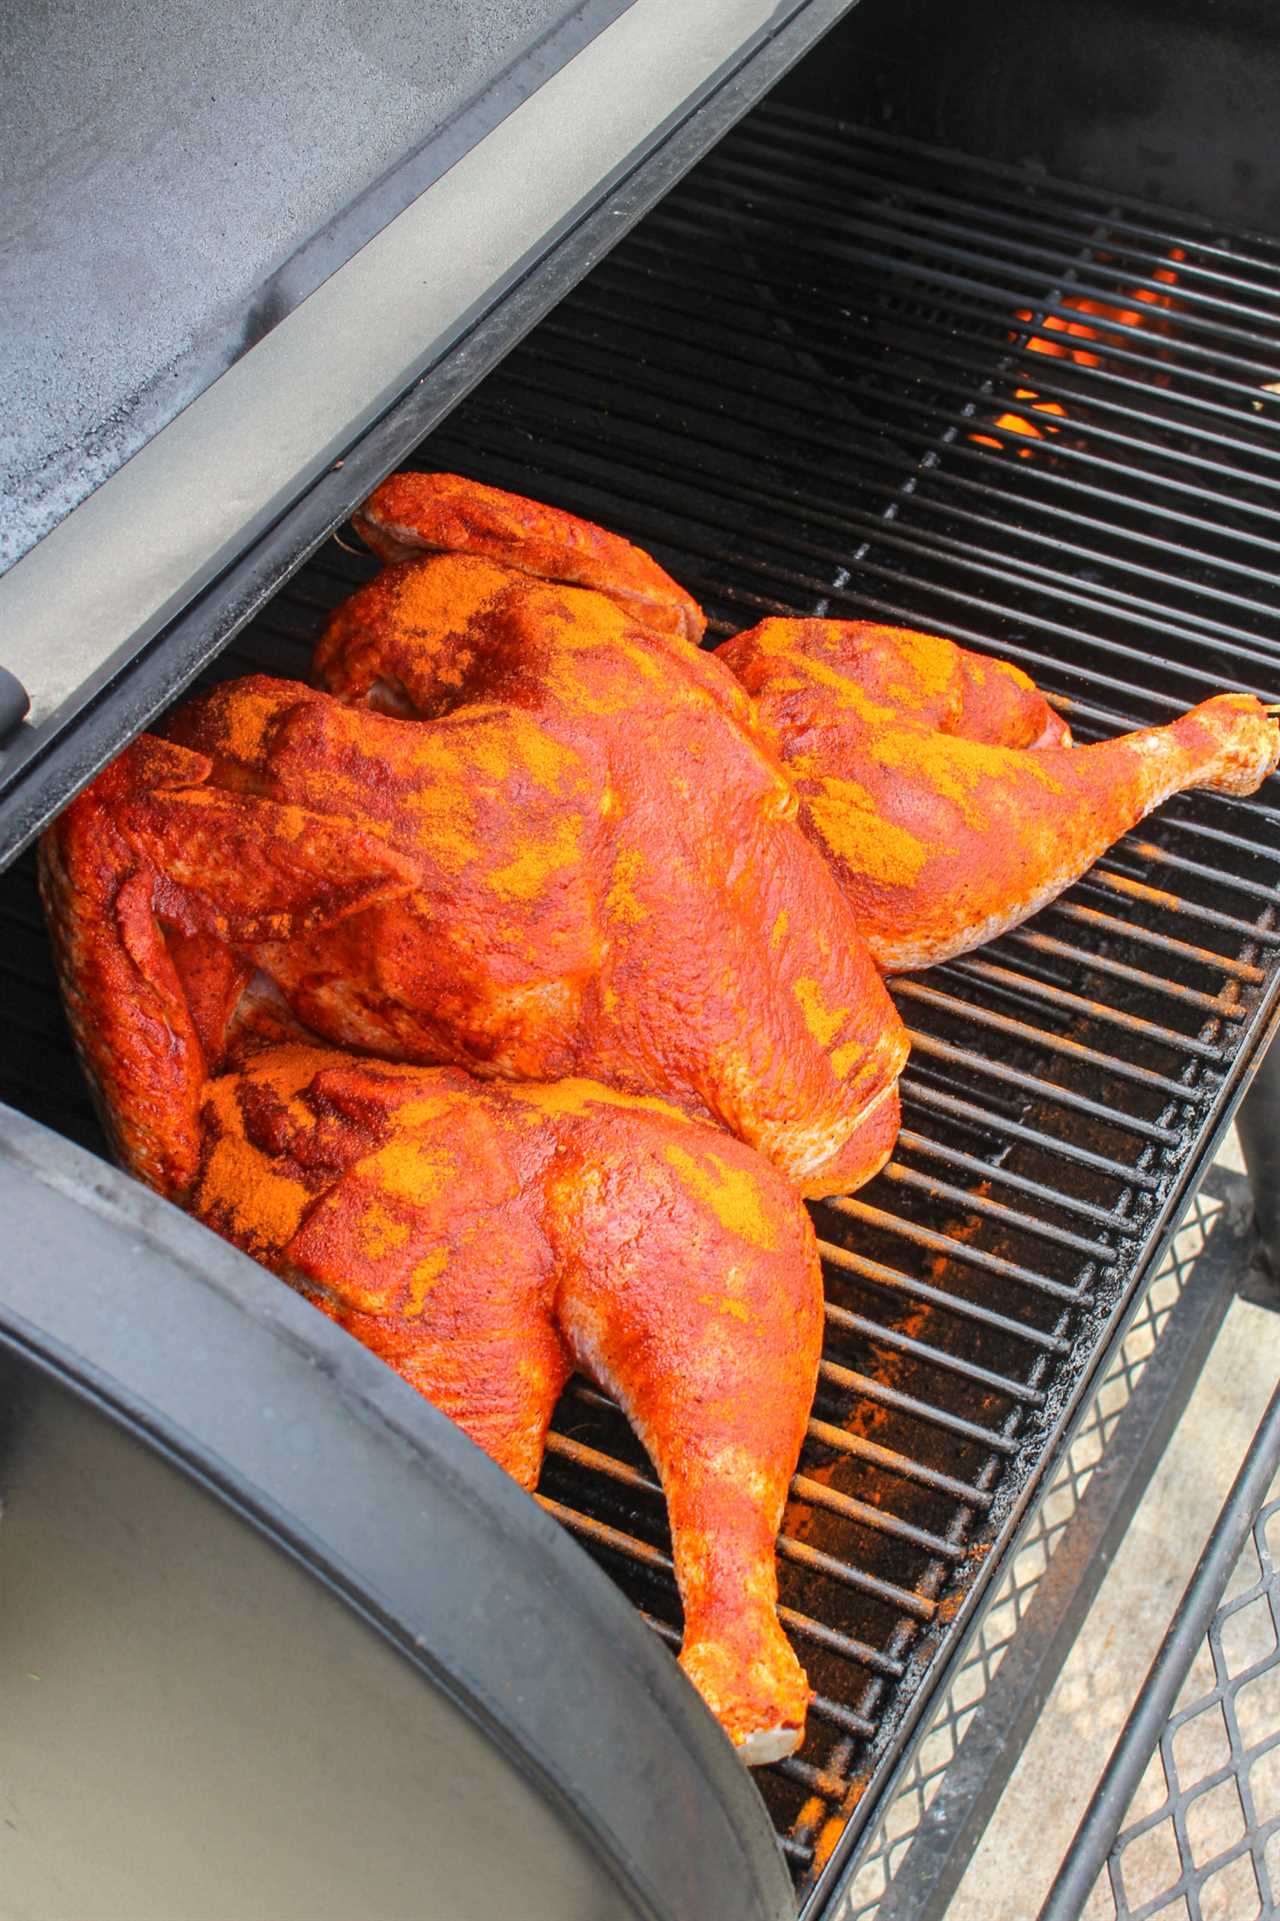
(245, 253)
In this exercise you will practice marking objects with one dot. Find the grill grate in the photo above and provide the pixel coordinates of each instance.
(840, 372)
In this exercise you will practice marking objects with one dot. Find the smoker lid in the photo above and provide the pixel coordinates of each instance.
(220, 1405)
(177, 180)
(227, 256)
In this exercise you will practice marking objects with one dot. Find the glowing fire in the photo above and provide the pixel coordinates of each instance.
(1019, 424)
(1058, 333)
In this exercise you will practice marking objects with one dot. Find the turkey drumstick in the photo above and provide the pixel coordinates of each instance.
(941, 841)
(485, 1240)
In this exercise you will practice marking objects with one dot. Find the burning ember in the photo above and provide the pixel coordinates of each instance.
(1058, 334)
(1019, 424)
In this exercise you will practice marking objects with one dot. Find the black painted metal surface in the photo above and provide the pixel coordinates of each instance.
(841, 372)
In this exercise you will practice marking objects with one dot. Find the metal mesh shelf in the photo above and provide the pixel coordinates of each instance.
(1212, 1765)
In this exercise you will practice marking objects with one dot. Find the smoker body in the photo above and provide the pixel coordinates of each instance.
(790, 381)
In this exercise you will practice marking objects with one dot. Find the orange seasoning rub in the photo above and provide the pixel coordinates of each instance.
(667, 849)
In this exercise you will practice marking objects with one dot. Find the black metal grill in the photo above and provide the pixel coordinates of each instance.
(809, 382)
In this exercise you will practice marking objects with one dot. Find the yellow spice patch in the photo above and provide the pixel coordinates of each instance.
(381, 1232)
(264, 1206)
(443, 807)
(847, 1057)
(537, 859)
(423, 1279)
(442, 595)
(548, 762)
(730, 1193)
(584, 692)
(245, 721)
(823, 1022)
(927, 658)
(410, 1170)
(725, 1306)
(850, 695)
(845, 815)
(446, 749)
(778, 932)
(286, 1070)
(580, 1096)
(654, 670)
(490, 753)
(447, 842)
(775, 637)
(957, 769)
(621, 901)
(425, 1111)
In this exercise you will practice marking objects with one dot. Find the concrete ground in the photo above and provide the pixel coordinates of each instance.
(1036, 1819)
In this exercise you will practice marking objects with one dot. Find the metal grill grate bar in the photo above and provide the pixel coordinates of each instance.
(785, 141)
(986, 1170)
(753, 356)
(1028, 987)
(995, 1210)
(916, 1091)
(802, 588)
(831, 1373)
(1198, 682)
(1002, 185)
(955, 1250)
(951, 238)
(949, 1362)
(890, 1278)
(901, 1464)
(793, 507)
(1122, 970)
(1157, 856)
(998, 284)
(1056, 1043)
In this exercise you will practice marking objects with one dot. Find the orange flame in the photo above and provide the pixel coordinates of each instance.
(1137, 315)
(1019, 424)
(1118, 316)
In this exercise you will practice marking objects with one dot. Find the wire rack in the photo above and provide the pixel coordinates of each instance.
(838, 372)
